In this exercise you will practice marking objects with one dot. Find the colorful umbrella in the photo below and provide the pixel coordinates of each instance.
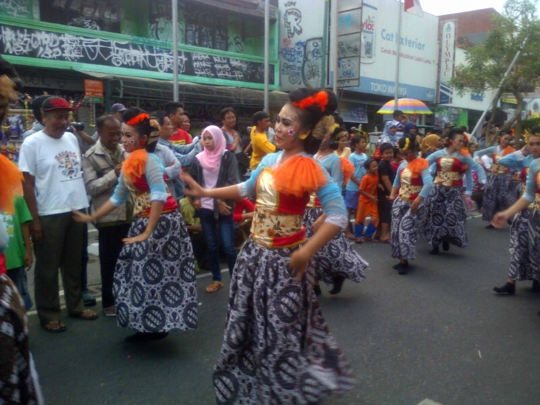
(407, 105)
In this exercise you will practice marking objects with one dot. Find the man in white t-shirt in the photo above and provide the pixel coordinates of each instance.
(50, 160)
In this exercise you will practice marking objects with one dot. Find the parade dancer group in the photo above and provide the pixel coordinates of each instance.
(277, 347)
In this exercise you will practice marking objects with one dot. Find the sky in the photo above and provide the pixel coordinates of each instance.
(441, 7)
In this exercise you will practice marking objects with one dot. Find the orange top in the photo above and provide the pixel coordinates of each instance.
(369, 184)
(299, 175)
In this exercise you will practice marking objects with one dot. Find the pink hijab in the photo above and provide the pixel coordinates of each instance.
(210, 160)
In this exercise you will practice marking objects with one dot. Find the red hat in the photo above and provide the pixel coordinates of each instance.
(56, 103)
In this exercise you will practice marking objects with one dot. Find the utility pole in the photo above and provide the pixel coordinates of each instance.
(267, 56)
(175, 48)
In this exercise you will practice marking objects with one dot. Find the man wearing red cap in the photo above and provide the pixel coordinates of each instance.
(50, 160)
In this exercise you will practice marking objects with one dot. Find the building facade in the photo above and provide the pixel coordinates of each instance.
(127, 44)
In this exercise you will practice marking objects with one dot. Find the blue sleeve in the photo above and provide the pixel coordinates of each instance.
(431, 159)
(247, 188)
(427, 178)
(154, 176)
(121, 193)
(530, 187)
(487, 151)
(397, 179)
(183, 149)
(186, 160)
(337, 174)
(477, 167)
(332, 201)
(514, 161)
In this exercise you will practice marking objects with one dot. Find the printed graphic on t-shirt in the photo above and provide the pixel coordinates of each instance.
(68, 163)
(7, 219)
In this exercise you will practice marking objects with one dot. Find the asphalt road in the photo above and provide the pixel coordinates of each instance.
(439, 333)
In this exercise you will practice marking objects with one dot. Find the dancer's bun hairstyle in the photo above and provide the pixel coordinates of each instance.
(316, 109)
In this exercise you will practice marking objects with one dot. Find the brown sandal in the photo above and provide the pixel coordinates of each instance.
(212, 288)
(54, 326)
(86, 315)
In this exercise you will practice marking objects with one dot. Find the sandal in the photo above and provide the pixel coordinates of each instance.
(86, 315)
(359, 240)
(212, 288)
(54, 326)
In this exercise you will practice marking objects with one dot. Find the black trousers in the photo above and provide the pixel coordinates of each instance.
(110, 246)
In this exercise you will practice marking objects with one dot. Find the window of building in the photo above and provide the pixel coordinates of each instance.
(99, 15)
(205, 28)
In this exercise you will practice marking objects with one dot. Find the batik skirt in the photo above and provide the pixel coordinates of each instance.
(446, 216)
(337, 258)
(277, 348)
(500, 193)
(154, 281)
(525, 246)
(405, 228)
(18, 379)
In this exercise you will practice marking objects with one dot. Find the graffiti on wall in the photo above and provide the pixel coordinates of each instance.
(302, 61)
(14, 8)
(18, 41)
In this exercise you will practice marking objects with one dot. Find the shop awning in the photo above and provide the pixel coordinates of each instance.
(190, 93)
(254, 8)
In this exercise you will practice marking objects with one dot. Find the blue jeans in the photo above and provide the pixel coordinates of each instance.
(211, 226)
(18, 276)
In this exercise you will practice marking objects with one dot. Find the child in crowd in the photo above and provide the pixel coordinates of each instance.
(398, 158)
(193, 225)
(386, 178)
(19, 250)
(357, 158)
(367, 203)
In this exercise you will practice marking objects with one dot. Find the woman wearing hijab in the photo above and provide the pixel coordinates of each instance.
(389, 135)
(216, 167)
(430, 144)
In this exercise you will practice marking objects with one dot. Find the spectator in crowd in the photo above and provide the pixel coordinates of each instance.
(193, 225)
(387, 175)
(175, 112)
(343, 151)
(232, 137)
(53, 185)
(174, 157)
(186, 126)
(431, 143)
(215, 167)
(367, 203)
(117, 111)
(352, 193)
(259, 141)
(102, 165)
(36, 110)
(19, 251)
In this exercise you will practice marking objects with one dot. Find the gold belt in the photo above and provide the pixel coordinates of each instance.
(276, 230)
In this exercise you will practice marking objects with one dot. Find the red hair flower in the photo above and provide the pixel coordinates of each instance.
(138, 119)
(321, 98)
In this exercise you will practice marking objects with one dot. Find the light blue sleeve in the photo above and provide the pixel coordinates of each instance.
(337, 174)
(154, 176)
(247, 188)
(427, 178)
(120, 194)
(397, 179)
(531, 188)
(477, 167)
(469, 181)
(487, 151)
(431, 159)
(514, 161)
(186, 160)
(332, 202)
(183, 149)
